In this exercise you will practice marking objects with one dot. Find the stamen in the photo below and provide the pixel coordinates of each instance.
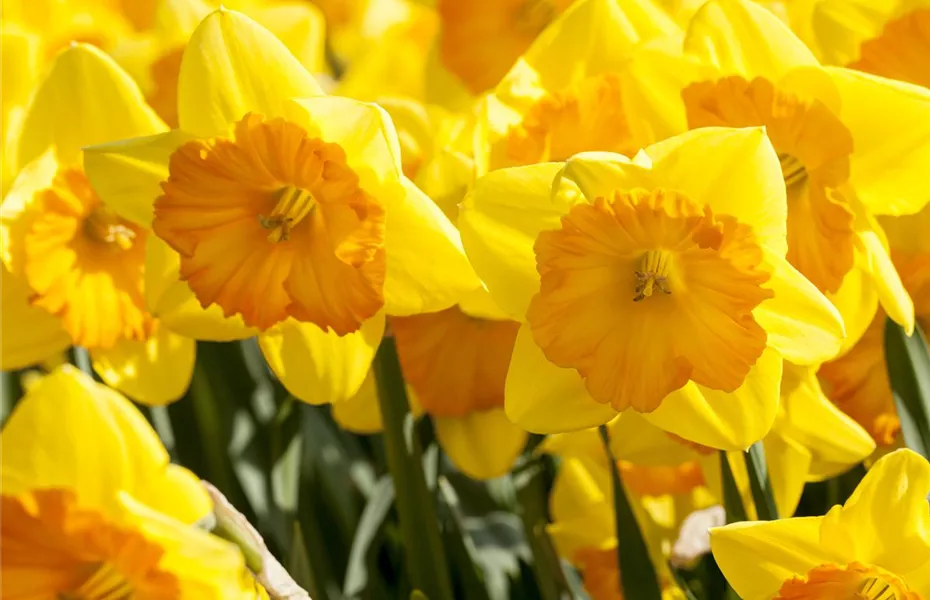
(653, 274)
(106, 583)
(792, 170)
(293, 205)
(103, 225)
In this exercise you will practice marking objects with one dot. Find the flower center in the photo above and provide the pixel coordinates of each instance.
(900, 51)
(633, 354)
(293, 205)
(854, 581)
(106, 583)
(456, 364)
(85, 265)
(272, 223)
(586, 117)
(813, 147)
(652, 274)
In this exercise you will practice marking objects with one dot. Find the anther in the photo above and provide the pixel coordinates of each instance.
(652, 275)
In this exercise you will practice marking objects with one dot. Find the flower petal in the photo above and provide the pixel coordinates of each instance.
(890, 124)
(733, 162)
(156, 371)
(85, 98)
(757, 557)
(500, 220)
(891, 292)
(743, 38)
(233, 65)
(127, 175)
(544, 398)
(800, 322)
(483, 445)
(835, 441)
(45, 444)
(720, 420)
(173, 302)
(788, 464)
(30, 334)
(856, 301)
(361, 413)
(885, 522)
(321, 367)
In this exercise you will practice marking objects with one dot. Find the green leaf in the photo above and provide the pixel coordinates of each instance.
(638, 578)
(732, 502)
(462, 552)
(364, 546)
(680, 580)
(908, 363)
(759, 483)
(416, 506)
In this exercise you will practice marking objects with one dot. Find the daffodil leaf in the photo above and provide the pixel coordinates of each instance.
(364, 543)
(416, 506)
(732, 502)
(680, 580)
(908, 363)
(760, 483)
(462, 551)
(638, 577)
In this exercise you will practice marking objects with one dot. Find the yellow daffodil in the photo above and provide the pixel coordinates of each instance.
(73, 268)
(850, 145)
(875, 546)
(656, 284)
(280, 212)
(858, 381)
(563, 97)
(92, 509)
(583, 527)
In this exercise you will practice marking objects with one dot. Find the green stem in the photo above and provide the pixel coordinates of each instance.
(416, 506)
(760, 484)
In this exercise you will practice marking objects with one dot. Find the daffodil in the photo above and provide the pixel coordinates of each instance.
(858, 381)
(73, 267)
(583, 528)
(93, 510)
(656, 284)
(563, 96)
(281, 212)
(875, 546)
(850, 145)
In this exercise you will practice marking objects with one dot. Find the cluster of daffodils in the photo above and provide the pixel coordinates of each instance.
(686, 223)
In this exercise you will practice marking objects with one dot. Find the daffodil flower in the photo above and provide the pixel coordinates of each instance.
(571, 92)
(850, 146)
(656, 284)
(280, 212)
(92, 508)
(874, 546)
(73, 268)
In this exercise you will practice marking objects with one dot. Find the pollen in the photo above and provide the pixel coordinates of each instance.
(652, 274)
(272, 223)
(700, 272)
(813, 147)
(85, 265)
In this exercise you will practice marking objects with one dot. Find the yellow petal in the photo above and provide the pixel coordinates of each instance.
(154, 372)
(885, 522)
(127, 175)
(742, 38)
(788, 463)
(71, 432)
(84, 99)
(20, 207)
(635, 439)
(757, 557)
(739, 175)
(320, 367)
(856, 301)
(174, 303)
(840, 26)
(483, 445)
(427, 269)
(800, 322)
(835, 441)
(891, 152)
(500, 220)
(302, 29)
(582, 514)
(891, 292)
(720, 420)
(233, 65)
(544, 398)
(361, 413)
(30, 335)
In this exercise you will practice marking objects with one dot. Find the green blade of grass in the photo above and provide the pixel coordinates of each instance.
(760, 484)
(908, 363)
